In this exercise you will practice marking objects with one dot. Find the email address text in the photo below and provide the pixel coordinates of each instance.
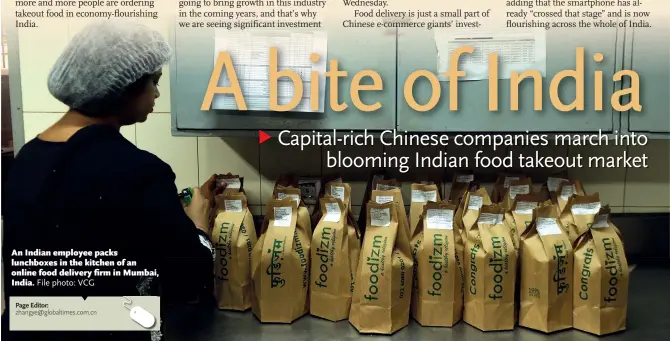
(55, 312)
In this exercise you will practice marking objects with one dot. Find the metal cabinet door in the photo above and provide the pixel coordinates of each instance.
(650, 58)
(417, 50)
(355, 50)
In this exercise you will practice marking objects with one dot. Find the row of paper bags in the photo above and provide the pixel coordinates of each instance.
(291, 268)
(548, 261)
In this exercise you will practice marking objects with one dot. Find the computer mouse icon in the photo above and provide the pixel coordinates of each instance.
(142, 317)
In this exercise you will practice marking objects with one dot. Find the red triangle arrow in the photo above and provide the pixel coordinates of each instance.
(262, 136)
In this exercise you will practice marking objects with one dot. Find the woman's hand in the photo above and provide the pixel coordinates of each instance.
(199, 210)
(209, 188)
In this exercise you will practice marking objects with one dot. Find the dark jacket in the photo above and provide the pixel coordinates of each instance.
(100, 192)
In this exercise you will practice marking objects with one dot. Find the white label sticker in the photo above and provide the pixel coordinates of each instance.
(283, 216)
(601, 221)
(333, 213)
(553, 183)
(567, 191)
(475, 202)
(490, 218)
(423, 196)
(295, 197)
(380, 217)
(525, 207)
(440, 219)
(232, 182)
(465, 178)
(232, 205)
(548, 227)
(382, 187)
(516, 190)
(509, 179)
(337, 192)
(585, 209)
(382, 199)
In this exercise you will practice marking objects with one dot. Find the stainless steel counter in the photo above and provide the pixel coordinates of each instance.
(648, 319)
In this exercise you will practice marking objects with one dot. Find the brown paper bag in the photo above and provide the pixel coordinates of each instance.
(382, 290)
(325, 181)
(304, 220)
(521, 213)
(566, 190)
(546, 274)
(439, 185)
(468, 210)
(387, 185)
(234, 183)
(375, 177)
(518, 220)
(460, 184)
(374, 180)
(490, 266)
(421, 194)
(514, 188)
(234, 237)
(601, 279)
(341, 191)
(502, 184)
(578, 214)
(354, 236)
(437, 249)
(384, 196)
(285, 180)
(334, 255)
(550, 187)
(280, 265)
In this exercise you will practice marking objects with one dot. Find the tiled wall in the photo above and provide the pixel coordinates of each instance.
(194, 159)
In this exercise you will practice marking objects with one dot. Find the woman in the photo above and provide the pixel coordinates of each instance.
(80, 185)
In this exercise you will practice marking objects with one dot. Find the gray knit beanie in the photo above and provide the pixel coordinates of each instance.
(103, 59)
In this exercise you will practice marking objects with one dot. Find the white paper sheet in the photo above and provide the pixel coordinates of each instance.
(518, 50)
(440, 219)
(380, 217)
(548, 227)
(282, 216)
(250, 53)
(333, 212)
(233, 205)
